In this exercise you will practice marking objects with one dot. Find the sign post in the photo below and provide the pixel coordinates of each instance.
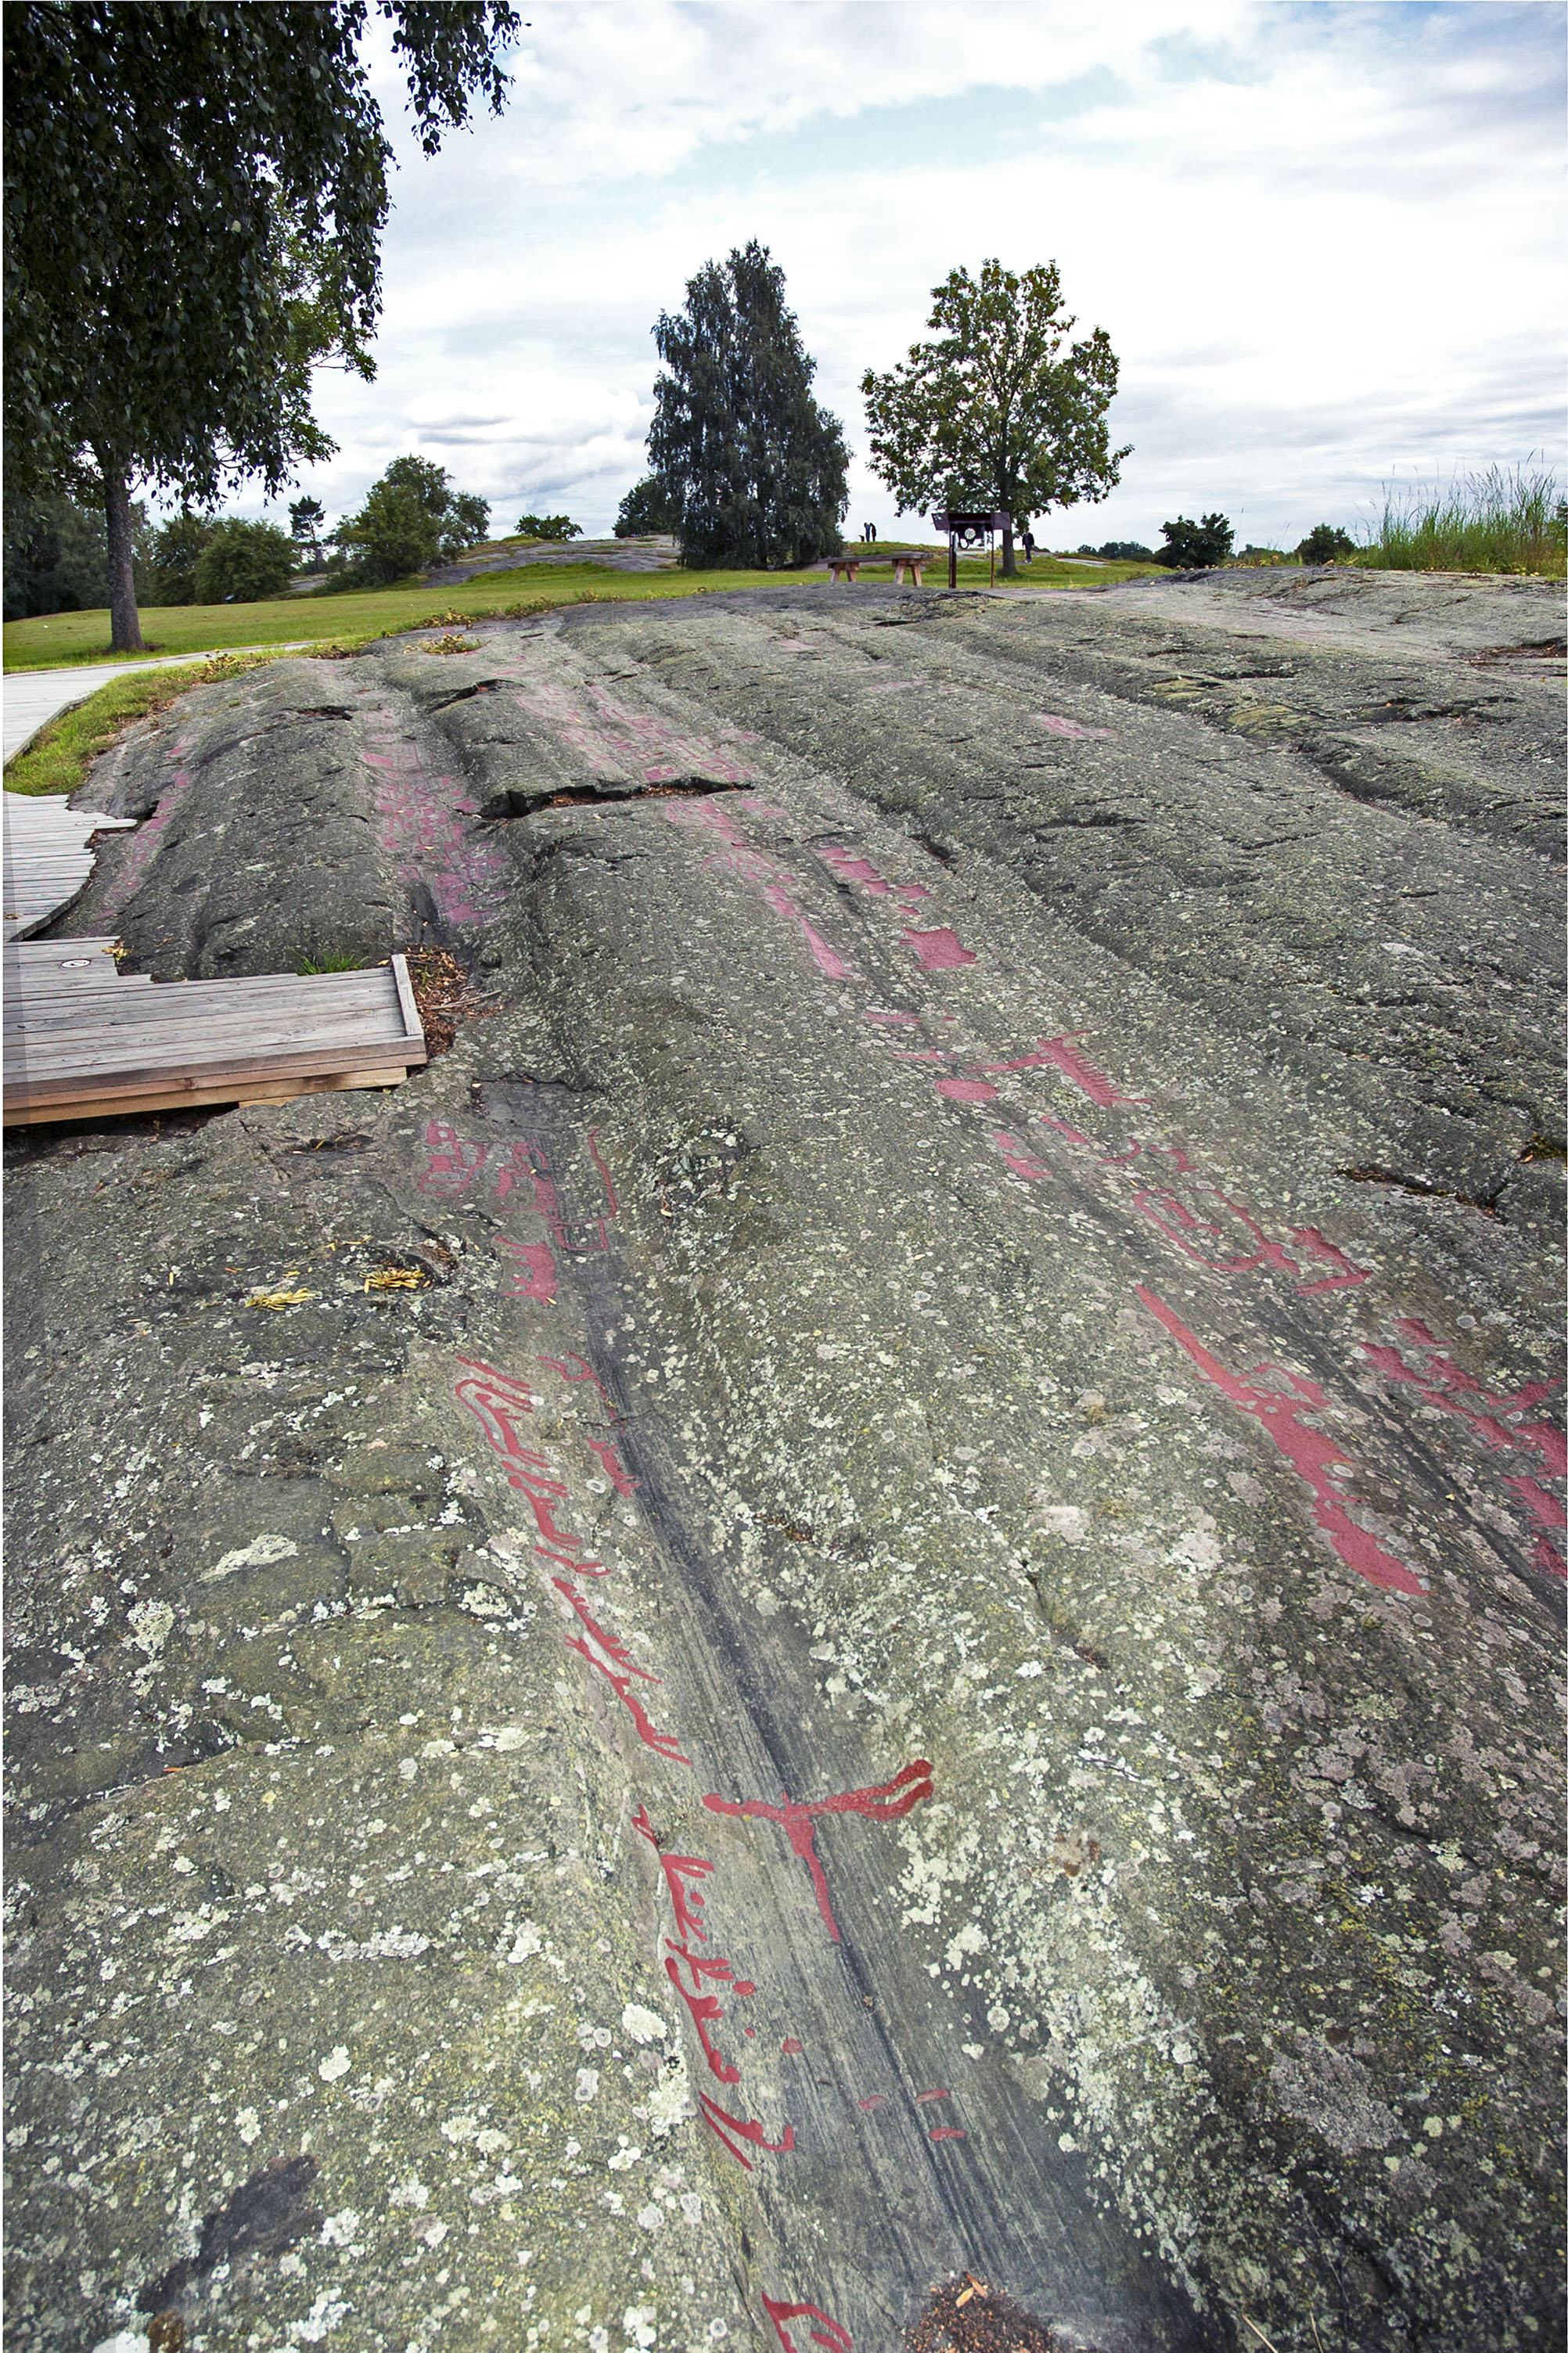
(970, 531)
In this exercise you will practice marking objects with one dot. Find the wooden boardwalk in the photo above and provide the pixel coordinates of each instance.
(83, 1041)
(47, 860)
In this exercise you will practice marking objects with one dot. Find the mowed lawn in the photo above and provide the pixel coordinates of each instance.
(58, 639)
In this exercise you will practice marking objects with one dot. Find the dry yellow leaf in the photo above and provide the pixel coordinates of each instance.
(397, 1278)
(281, 1297)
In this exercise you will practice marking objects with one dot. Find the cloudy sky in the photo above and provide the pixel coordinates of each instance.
(1325, 239)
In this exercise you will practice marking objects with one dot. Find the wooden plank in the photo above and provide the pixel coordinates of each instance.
(413, 1026)
(196, 1098)
(197, 1002)
(106, 1081)
(374, 984)
(35, 955)
(33, 1064)
(62, 1030)
(128, 1045)
(77, 974)
(74, 988)
(104, 942)
(178, 1002)
(113, 1009)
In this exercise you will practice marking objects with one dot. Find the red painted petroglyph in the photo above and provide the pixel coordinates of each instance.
(609, 1658)
(136, 854)
(1061, 1054)
(876, 2100)
(531, 1164)
(577, 1368)
(966, 1089)
(939, 951)
(706, 2009)
(948, 2132)
(497, 1402)
(620, 1478)
(729, 2129)
(1545, 1507)
(533, 1272)
(1053, 725)
(1498, 1421)
(1014, 1154)
(857, 869)
(778, 897)
(775, 886)
(612, 1205)
(889, 1801)
(683, 1877)
(921, 2097)
(1347, 1273)
(1228, 1239)
(792, 2049)
(830, 2335)
(1206, 1239)
(618, 744)
(453, 1163)
(420, 820)
(1075, 1137)
(1311, 1453)
(850, 868)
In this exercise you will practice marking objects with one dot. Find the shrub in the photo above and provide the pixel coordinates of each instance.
(411, 518)
(532, 526)
(647, 507)
(56, 555)
(1121, 550)
(1326, 543)
(173, 554)
(392, 533)
(243, 562)
(1195, 546)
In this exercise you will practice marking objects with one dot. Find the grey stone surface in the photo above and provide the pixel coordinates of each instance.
(995, 1255)
(651, 551)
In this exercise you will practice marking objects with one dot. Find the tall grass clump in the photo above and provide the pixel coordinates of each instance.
(1506, 520)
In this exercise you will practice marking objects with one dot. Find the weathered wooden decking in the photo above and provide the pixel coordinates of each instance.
(47, 860)
(83, 1041)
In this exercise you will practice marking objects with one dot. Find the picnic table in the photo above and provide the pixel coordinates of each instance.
(912, 560)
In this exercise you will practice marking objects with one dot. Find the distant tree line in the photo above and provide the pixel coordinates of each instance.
(1199, 546)
(57, 548)
(193, 206)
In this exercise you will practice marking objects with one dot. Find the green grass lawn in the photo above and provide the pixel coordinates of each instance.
(58, 757)
(354, 616)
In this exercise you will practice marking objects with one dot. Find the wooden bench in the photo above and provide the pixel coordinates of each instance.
(84, 1041)
(848, 567)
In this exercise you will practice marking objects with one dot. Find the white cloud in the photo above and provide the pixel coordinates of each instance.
(1323, 238)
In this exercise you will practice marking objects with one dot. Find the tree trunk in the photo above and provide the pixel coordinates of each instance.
(125, 627)
(1009, 567)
